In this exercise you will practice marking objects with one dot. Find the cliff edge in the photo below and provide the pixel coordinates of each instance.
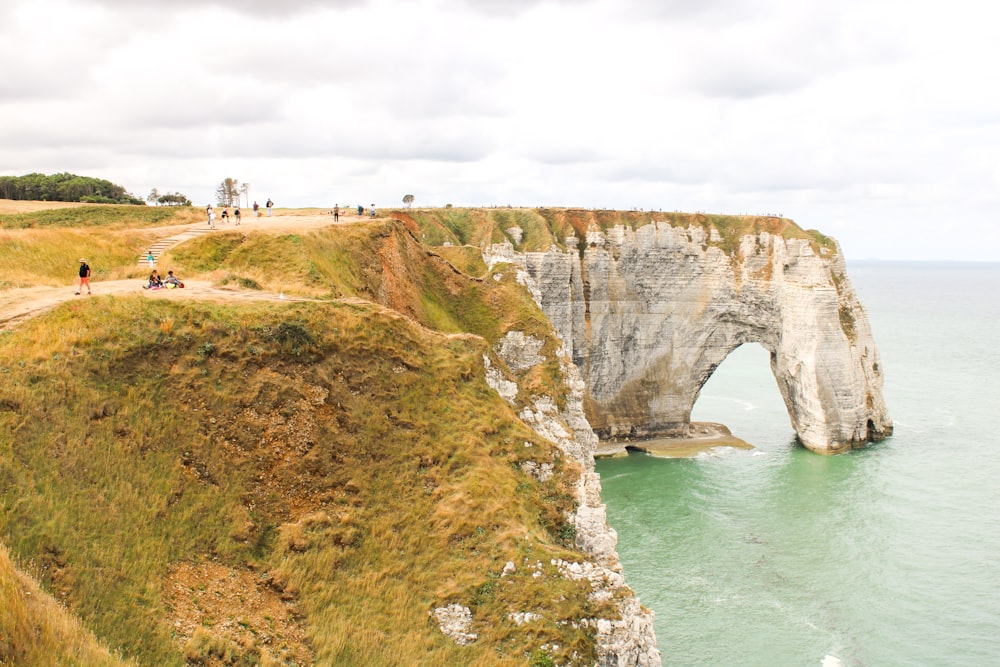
(649, 312)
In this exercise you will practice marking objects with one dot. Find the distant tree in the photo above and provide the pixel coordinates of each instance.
(228, 192)
(154, 196)
(245, 191)
(174, 199)
(408, 200)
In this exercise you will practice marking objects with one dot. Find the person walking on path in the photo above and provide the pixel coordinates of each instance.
(84, 276)
(361, 210)
(336, 213)
(211, 219)
(256, 210)
(225, 214)
(236, 214)
(150, 258)
(373, 210)
(270, 205)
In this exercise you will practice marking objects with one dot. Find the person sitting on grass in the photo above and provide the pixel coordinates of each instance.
(154, 281)
(172, 281)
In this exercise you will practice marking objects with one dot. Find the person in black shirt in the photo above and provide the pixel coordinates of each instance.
(84, 276)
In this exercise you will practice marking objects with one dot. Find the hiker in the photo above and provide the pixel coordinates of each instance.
(84, 276)
(154, 281)
(211, 218)
(373, 210)
(361, 210)
(150, 258)
(225, 214)
(336, 213)
(172, 281)
(270, 205)
(256, 210)
(236, 214)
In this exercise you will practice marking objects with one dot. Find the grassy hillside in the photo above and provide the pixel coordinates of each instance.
(338, 457)
(36, 630)
(542, 228)
(292, 483)
(378, 261)
(43, 246)
(50, 257)
(102, 216)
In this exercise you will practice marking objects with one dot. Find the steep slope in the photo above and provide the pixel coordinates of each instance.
(295, 483)
(650, 304)
(36, 630)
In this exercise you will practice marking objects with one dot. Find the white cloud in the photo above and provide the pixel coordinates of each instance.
(876, 122)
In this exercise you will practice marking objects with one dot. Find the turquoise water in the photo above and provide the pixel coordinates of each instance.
(883, 556)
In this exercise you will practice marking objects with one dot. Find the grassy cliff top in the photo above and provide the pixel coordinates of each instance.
(543, 228)
(290, 483)
(271, 482)
(108, 216)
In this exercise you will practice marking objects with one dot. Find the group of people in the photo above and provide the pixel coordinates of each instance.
(237, 216)
(256, 208)
(361, 211)
(269, 206)
(156, 282)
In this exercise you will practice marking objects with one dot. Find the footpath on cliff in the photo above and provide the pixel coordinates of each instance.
(18, 304)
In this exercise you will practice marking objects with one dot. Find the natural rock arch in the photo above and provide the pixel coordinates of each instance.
(647, 314)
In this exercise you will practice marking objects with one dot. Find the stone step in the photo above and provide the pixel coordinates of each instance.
(165, 244)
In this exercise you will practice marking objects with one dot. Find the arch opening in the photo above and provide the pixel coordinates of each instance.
(742, 394)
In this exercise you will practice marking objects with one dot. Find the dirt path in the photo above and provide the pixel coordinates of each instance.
(18, 304)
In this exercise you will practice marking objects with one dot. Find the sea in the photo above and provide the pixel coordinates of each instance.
(884, 556)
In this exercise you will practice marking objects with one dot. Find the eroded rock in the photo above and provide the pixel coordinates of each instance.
(648, 314)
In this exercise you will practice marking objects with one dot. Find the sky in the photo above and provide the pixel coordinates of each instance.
(875, 121)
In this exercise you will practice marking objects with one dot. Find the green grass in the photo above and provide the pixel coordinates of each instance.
(37, 257)
(378, 261)
(104, 216)
(547, 227)
(36, 630)
(135, 434)
(466, 259)
(347, 455)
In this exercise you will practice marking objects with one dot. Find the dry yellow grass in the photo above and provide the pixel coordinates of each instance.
(354, 459)
(16, 206)
(346, 455)
(50, 257)
(36, 630)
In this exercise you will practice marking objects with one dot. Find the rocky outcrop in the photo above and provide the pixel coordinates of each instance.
(626, 641)
(648, 313)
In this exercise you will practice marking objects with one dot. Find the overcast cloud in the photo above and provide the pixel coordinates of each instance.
(875, 121)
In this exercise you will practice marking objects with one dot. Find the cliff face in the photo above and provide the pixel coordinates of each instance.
(648, 313)
(629, 640)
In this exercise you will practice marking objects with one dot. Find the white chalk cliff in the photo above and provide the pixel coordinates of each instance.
(648, 313)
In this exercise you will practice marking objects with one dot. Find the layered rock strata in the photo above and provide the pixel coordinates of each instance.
(648, 313)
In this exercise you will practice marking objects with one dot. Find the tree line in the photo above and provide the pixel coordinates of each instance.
(65, 187)
(167, 198)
